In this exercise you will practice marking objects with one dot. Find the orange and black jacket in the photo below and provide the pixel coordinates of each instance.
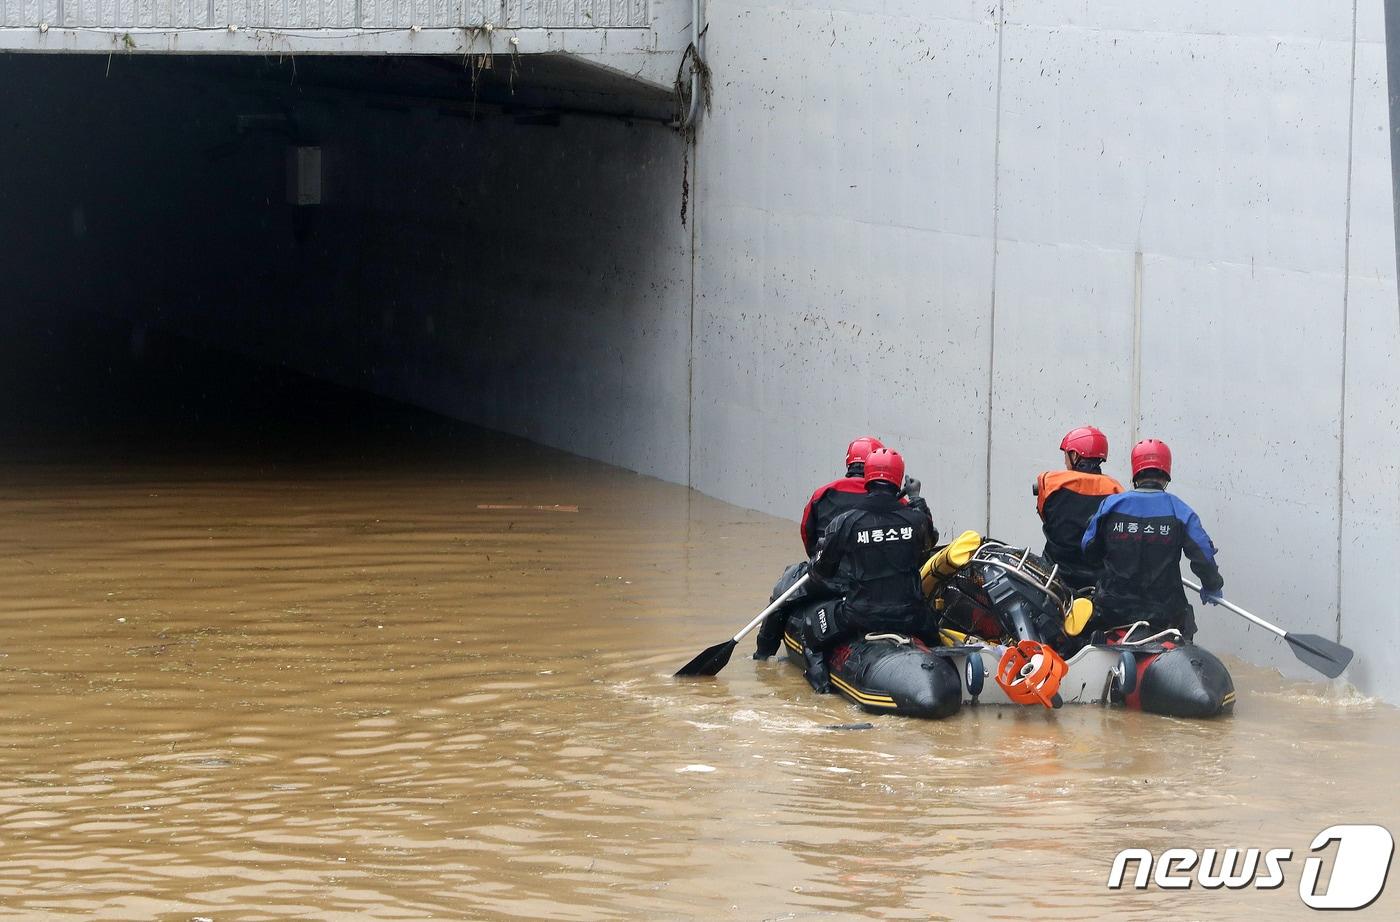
(1066, 501)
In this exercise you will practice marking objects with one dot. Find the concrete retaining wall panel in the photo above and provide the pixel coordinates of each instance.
(796, 375)
(1099, 145)
(1370, 536)
(295, 14)
(1064, 356)
(20, 12)
(1329, 21)
(1370, 512)
(1242, 371)
(845, 189)
(1372, 251)
(582, 14)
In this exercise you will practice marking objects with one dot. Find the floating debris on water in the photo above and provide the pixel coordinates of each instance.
(507, 506)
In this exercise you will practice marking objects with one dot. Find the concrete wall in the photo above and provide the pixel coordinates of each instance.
(1165, 220)
(1370, 510)
(846, 190)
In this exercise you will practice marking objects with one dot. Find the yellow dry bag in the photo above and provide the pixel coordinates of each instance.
(948, 561)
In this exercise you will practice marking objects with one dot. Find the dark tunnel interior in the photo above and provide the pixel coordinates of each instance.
(247, 254)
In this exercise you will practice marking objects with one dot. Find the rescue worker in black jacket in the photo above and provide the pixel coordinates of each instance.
(831, 499)
(1138, 538)
(828, 502)
(1067, 499)
(877, 548)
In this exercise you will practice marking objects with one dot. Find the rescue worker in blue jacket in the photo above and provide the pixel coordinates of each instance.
(877, 549)
(1138, 538)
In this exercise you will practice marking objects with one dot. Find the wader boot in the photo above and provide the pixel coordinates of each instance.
(817, 673)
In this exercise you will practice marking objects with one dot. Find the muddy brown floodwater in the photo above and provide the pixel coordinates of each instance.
(307, 656)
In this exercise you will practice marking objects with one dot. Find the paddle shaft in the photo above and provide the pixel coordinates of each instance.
(771, 608)
(1240, 611)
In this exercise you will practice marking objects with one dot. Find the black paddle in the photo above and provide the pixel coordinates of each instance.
(1326, 656)
(715, 658)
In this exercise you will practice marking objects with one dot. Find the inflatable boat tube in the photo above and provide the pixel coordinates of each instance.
(888, 675)
(1178, 680)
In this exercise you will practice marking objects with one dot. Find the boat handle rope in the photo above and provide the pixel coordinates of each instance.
(1127, 642)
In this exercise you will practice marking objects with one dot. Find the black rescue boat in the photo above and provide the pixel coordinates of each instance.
(988, 596)
(1002, 595)
(883, 673)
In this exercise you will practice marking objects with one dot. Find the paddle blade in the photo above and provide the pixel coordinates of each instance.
(1326, 656)
(711, 661)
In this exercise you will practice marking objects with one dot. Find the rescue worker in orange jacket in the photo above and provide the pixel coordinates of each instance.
(1068, 499)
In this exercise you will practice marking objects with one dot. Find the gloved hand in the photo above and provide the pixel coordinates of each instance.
(1211, 596)
(912, 487)
(770, 636)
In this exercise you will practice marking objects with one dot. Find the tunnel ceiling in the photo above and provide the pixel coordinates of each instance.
(522, 86)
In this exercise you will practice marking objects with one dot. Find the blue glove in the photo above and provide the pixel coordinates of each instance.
(1211, 596)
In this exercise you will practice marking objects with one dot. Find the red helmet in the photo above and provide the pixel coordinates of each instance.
(1152, 455)
(857, 451)
(884, 464)
(1088, 441)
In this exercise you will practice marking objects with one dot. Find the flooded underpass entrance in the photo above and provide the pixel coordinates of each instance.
(274, 649)
(275, 646)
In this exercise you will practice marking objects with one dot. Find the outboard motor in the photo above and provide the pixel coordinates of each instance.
(1007, 593)
(1007, 596)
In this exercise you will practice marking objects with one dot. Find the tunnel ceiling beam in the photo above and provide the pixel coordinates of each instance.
(533, 84)
(642, 39)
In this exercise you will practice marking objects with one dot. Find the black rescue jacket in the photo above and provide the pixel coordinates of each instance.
(879, 547)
